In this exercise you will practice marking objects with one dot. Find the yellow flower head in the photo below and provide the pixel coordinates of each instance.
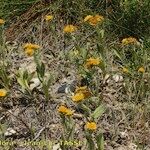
(30, 48)
(81, 93)
(129, 40)
(94, 20)
(49, 17)
(3, 92)
(99, 18)
(80, 89)
(69, 112)
(2, 21)
(125, 70)
(91, 126)
(78, 97)
(87, 18)
(92, 62)
(64, 110)
(29, 51)
(70, 28)
(141, 69)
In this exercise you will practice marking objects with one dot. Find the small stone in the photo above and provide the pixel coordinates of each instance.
(62, 88)
(10, 132)
(117, 78)
(132, 146)
(106, 78)
(67, 88)
(56, 147)
(124, 134)
(35, 82)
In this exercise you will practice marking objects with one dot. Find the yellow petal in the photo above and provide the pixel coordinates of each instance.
(87, 18)
(125, 41)
(29, 51)
(99, 18)
(2, 21)
(78, 97)
(129, 40)
(125, 70)
(91, 62)
(31, 46)
(94, 20)
(69, 112)
(141, 69)
(3, 92)
(70, 28)
(62, 109)
(91, 126)
(80, 89)
(48, 17)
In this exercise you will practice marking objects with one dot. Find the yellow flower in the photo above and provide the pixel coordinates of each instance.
(69, 112)
(78, 97)
(91, 126)
(141, 69)
(3, 92)
(94, 20)
(64, 110)
(92, 62)
(99, 18)
(125, 70)
(2, 21)
(30, 48)
(70, 28)
(80, 89)
(29, 51)
(49, 17)
(129, 40)
(81, 93)
(87, 18)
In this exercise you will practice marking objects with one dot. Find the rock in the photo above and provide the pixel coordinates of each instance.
(10, 132)
(56, 147)
(117, 78)
(35, 82)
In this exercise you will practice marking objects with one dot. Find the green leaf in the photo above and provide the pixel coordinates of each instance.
(83, 53)
(25, 75)
(50, 79)
(21, 82)
(85, 109)
(100, 141)
(117, 54)
(102, 32)
(26, 84)
(38, 68)
(90, 141)
(42, 70)
(30, 77)
(100, 49)
(102, 65)
(71, 131)
(98, 112)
